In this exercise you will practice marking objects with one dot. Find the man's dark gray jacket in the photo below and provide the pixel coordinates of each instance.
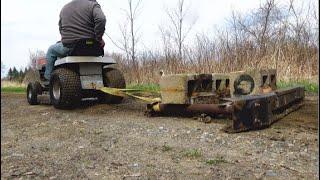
(81, 19)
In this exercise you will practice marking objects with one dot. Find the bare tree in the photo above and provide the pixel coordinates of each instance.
(132, 15)
(167, 46)
(181, 30)
(34, 56)
(129, 33)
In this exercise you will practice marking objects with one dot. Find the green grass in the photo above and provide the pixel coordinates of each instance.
(13, 89)
(193, 153)
(216, 161)
(145, 87)
(155, 88)
(166, 148)
(309, 86)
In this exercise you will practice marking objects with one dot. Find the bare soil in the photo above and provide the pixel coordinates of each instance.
(99, 141)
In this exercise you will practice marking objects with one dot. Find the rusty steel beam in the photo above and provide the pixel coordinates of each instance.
(185, 109)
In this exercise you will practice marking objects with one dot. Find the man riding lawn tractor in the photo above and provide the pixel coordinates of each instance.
(75, 67)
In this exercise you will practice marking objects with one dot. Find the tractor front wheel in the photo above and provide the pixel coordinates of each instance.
(33, 89)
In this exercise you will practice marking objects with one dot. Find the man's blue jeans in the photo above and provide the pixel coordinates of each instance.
(54, 51)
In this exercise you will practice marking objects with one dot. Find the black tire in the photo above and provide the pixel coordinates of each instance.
(112, 78)
(33, 89)
(65, 89)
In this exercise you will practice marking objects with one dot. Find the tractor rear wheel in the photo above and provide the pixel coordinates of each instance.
(112, 78)
(65, 89)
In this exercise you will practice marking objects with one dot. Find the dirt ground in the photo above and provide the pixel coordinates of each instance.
(100, 141)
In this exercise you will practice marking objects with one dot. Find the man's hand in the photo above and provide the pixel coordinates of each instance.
(102, 43)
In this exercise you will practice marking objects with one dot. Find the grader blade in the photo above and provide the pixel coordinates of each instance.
(260, 111)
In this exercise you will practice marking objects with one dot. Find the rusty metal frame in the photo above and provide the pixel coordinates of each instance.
(247, 112)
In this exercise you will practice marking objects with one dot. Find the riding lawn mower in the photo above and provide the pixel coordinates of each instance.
(78, 75)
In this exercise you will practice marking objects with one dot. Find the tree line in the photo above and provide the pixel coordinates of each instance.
(16, 75)
(25, 74)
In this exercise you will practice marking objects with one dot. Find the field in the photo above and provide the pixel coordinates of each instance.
(12, 87)
(118, 142)
(103, 141)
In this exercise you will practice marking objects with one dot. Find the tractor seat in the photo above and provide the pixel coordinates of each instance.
(87, 47)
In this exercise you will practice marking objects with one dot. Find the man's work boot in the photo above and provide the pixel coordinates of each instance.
(44, 82)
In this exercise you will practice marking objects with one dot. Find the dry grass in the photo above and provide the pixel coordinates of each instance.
(5, 84)
(272, 36)
(282, 37)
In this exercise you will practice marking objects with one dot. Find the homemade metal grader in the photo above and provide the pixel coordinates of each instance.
(251, 99)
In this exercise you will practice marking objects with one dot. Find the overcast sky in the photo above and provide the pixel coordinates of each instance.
(27, 25)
